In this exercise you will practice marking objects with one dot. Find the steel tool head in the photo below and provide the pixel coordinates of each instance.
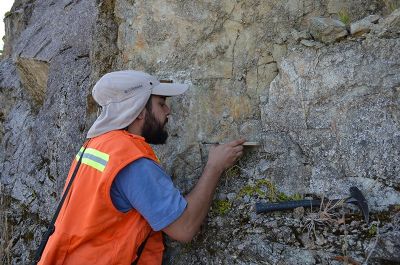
(360, 201)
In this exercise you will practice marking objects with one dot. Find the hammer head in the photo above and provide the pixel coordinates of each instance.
(358, 198)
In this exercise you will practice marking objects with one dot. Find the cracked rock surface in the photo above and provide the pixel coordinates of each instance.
(326, 114)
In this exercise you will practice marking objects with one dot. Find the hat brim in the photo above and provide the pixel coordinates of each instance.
(169, 89)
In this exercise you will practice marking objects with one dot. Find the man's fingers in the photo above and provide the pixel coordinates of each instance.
(238, 148)
(237, 142)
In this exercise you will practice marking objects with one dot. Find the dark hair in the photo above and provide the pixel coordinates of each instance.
(148, 107)
(148, 104)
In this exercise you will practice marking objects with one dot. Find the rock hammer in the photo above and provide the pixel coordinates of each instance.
(356, 198)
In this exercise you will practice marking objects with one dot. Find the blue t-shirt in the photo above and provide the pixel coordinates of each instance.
(144, 186)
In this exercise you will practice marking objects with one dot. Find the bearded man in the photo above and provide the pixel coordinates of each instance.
(121, 199)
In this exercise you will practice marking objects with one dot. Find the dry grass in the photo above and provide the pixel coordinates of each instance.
(325, 216)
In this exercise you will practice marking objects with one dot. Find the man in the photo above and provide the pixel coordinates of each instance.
(121, 198)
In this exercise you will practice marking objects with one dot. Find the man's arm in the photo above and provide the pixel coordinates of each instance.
(199, 199)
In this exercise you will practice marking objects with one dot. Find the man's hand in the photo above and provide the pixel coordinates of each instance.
(199, 199)
(222, 157)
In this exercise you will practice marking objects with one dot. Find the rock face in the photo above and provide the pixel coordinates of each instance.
(325, 112)
(45, 83)
(340, 120)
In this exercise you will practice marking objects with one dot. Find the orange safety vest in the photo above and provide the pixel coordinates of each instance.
(89, 229)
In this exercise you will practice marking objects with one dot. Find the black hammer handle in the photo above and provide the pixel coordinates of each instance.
(262, 207)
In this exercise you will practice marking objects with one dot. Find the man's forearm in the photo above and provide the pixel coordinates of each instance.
(198, 204)
(200, 198)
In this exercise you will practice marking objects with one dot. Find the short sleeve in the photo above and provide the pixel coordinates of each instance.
(144, 186)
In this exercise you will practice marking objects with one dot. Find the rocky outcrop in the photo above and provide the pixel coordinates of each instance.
(339, 122)
(46, 80)
(322, 103)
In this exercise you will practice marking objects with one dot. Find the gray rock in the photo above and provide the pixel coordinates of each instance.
(297, 256)
(387, 247)
(336, 6)
(322, 129)
(364, 25)
(328, 121)
(311, 43)
(327, 30)
(389, 26)
(44, 127)
(301, 35)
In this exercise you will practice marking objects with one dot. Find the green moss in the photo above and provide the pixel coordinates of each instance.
(221, 207)
(264, 188)
(372, 230)
(284, 197)
(246, 190)
(251, 190)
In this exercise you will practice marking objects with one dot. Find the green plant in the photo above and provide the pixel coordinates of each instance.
(222, 207)
(256, 189)
(344, 17)
(372, 230)
(284, 197)
(264, 188)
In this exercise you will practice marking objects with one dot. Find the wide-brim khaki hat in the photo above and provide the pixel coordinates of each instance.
(122, 95)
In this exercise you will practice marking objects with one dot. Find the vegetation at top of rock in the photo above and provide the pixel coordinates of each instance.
(344, 17)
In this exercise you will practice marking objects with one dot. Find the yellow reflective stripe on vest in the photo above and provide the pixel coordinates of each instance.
(93, 158)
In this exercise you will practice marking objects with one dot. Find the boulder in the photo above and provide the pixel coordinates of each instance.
(327, 30)
(364, 25)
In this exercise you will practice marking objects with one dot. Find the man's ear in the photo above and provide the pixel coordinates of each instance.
(142, 114)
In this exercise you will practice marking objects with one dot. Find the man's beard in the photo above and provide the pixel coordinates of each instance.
(153, 131)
